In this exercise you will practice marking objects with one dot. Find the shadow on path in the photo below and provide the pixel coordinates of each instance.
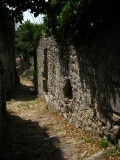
(26, 140)
(22, 93)
(23, 138)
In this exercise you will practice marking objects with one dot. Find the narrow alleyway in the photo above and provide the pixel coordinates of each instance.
(33, 133)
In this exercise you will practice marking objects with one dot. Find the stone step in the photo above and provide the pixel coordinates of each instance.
(98, 155)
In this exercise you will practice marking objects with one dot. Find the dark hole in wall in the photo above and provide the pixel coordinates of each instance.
(45, 73)
(67, 90)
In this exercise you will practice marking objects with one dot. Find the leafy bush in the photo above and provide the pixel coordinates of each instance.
(27, 39)
(80, 20)
(103, 143)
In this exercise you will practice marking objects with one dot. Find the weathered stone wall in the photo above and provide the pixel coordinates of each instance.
(82, 84)
(0, 104)
(7, 60)
(7, 49)
(7, 55)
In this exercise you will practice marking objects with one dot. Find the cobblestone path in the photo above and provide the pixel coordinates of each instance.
(33, 133)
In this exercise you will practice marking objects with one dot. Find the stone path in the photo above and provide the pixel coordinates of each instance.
(33, 133)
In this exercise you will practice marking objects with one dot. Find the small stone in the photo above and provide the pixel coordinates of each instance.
(60, 133)
(94, 125)
(84, 153)
(98, 155)
(55, 127)
(89, 121)
(108, 125)
(99, 123)
(70, 121)
(74, 157)
(98, 131)
(116, 129)
(70, 140)
(65, 116)
(52, 135)
(77, 124)
(115, 118)
(89, 129)
(98, 115)
(45, 119)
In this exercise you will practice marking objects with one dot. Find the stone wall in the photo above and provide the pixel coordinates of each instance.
(0, 104)
(7, 48)
(7, 55)
(7, 61)
(81, 84)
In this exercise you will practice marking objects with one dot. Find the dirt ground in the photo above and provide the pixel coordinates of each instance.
(30, 132)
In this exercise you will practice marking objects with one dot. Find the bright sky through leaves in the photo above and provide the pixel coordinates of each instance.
(29, 16)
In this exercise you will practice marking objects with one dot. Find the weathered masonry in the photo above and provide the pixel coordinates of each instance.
(0, 99)
(85, 88)
(7, 58)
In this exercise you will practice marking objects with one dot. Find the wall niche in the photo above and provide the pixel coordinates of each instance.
(67, 90)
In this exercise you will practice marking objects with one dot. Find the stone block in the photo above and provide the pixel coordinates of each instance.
(115, 118)
(94, 125)
(89, 129)
(77, 125)
(116, 129)
(89, 122)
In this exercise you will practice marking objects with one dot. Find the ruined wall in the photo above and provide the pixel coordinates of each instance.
(7, 49)
(0, 104)
(7, 61)
(81, 84)
(7, 56)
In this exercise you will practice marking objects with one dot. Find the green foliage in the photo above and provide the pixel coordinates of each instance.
(117, 148)
(33, 73)
(81, 137)
(34, 76)
(65, 57)
(107, 154)
(103, 143)
(27, 39)
(73, 21)
(80, 20)
(90, 140)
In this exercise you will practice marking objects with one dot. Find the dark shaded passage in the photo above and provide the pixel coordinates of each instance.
(26, 140)
(24, 135)
(22, 93)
